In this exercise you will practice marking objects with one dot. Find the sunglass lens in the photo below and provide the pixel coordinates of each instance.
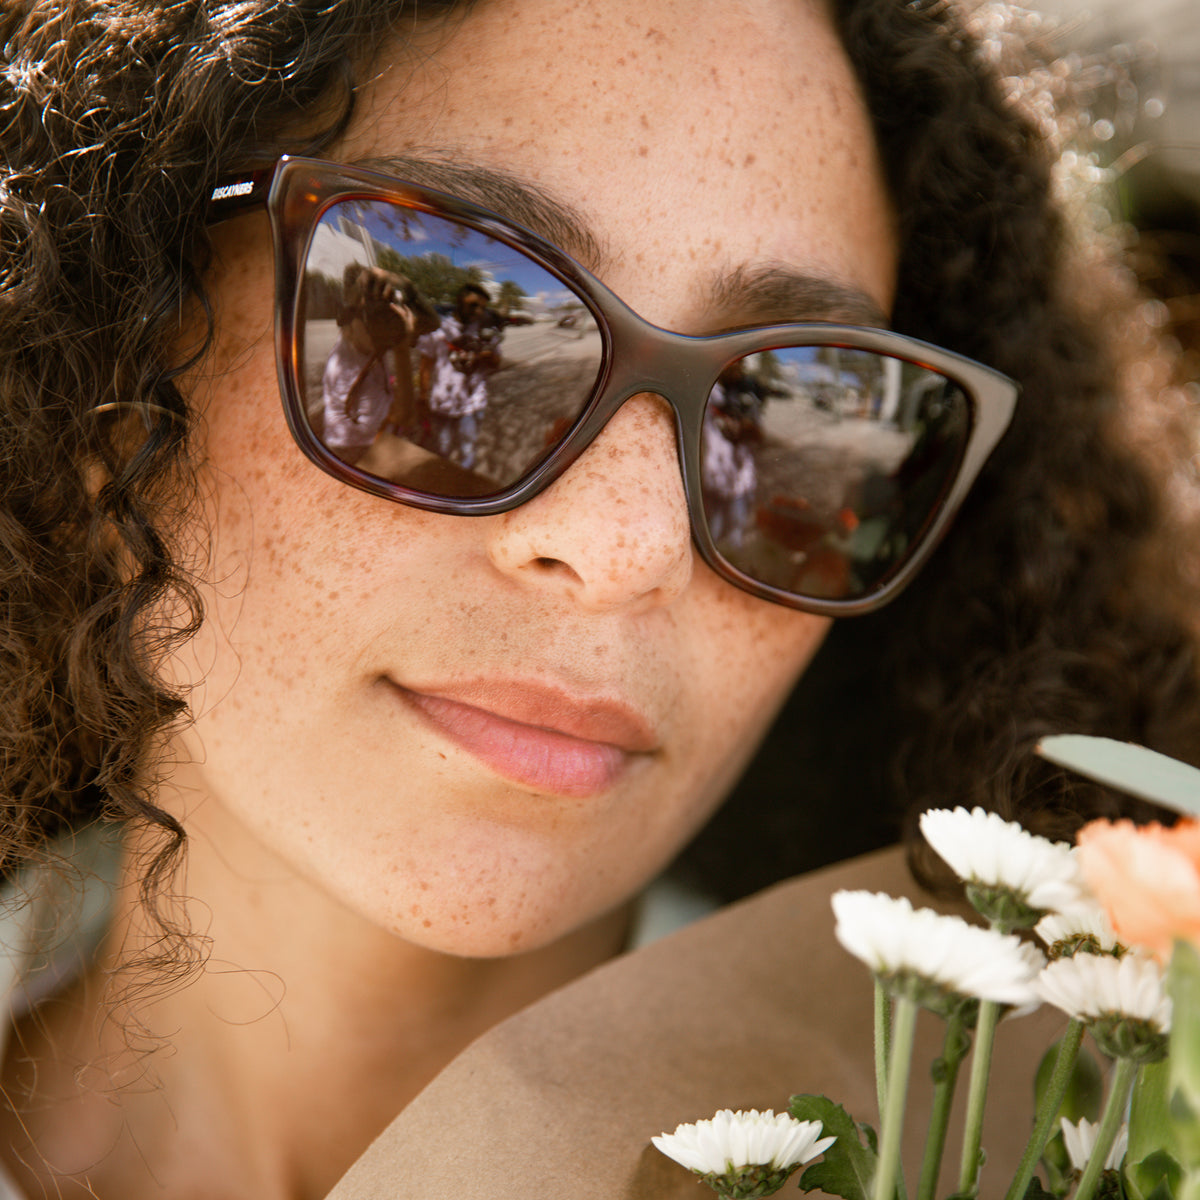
(433, 356)
(822, 466)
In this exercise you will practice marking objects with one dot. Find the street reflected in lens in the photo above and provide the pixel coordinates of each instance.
(821, 465)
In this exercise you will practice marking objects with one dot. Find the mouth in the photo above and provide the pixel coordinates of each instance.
(535, 735)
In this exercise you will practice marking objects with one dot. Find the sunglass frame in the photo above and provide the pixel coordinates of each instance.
(637, 358)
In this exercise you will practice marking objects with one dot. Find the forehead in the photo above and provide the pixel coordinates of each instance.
(695, 142)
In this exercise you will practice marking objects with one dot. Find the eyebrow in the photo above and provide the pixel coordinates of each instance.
(775, 293)
(770, 294)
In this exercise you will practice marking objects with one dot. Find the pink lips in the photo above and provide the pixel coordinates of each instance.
(537, 735)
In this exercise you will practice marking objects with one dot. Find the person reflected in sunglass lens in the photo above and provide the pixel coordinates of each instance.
(368, 376)
(457, 364)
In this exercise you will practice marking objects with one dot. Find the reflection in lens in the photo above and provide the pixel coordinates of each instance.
(436, 357)
(823, 465)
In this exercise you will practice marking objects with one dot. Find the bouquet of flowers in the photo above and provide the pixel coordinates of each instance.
(1107, 930)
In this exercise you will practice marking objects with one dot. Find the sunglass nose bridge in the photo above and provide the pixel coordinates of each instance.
(678, 368)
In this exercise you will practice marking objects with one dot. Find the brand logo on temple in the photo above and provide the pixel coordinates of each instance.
(232, 189)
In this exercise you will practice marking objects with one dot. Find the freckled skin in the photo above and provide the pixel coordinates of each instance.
(320, 591)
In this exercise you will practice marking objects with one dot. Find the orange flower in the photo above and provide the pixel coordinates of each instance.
(1147, 877)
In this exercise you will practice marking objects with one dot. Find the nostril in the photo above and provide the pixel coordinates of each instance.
(546, 566)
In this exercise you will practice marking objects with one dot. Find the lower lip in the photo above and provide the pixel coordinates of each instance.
(527, 754)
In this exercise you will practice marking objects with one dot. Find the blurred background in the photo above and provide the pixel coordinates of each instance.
(1144, 59)
(1159, 42)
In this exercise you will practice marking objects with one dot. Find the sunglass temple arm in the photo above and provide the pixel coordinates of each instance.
(237, 193)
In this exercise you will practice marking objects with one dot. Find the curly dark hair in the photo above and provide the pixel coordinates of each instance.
(1045, 609)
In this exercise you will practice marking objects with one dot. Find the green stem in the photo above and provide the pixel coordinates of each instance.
(954, 1050)
(981, 1066)
(883, 1043)
(1060, 1079)
(887, 1170)
(1110, 1122)
(883, 1051)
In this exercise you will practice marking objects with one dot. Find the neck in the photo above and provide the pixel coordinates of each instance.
(304, 1033)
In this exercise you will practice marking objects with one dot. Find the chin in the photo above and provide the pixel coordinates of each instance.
(494, 940)
(483, 932)
(479, 911)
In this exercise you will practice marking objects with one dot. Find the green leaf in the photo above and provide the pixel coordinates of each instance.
(1057, 1165)
(1183, 984)
(1127, 767)
(1085, 1091)
(868, 1131)
(1163, 1192)
(1149, 1127)
(1155, 1177)
(848, 1167)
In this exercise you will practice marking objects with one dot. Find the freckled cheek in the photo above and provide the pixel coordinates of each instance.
(276, 538)
(751, 654)
(264, 495)
(259, 486)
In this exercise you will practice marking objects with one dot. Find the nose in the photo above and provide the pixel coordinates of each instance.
(613, 531)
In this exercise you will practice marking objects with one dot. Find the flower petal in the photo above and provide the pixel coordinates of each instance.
(743, 1139)
(1147, 877)
(1090, 986)
(893, 938)
(982, 847)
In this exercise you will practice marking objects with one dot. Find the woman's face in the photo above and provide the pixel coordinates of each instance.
(481, 732)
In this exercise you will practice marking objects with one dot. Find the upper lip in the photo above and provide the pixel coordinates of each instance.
(592, 718)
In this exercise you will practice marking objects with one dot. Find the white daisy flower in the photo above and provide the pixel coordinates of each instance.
(1080, 1140)
(1123, 1001)
(984, 849)
(1084, 927)
(732, 1141)
(894, 939)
